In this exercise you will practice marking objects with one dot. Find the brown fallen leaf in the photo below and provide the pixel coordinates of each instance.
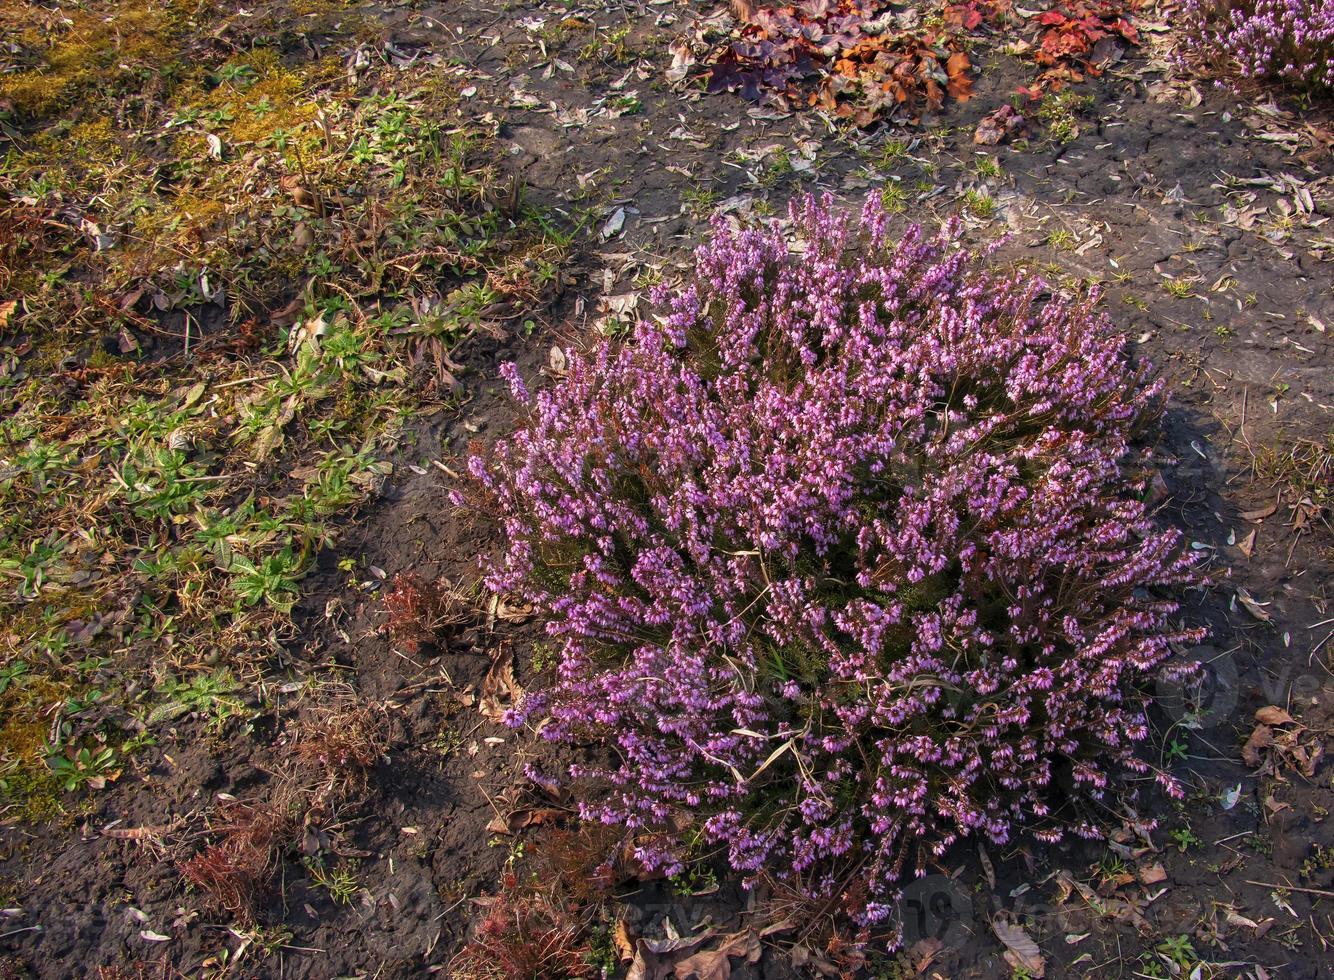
(1020, 950)
(1261, 513)
(625, 947)
(744, 11)
(998, 126)
(960, 86)
(923, 952)
(300, 194)
(1109, 885)
(1261, 738)
(803, 956)
(1153, 874)
(1235, 919)
(510, 610)
(1307, 757)
(137, 833)
(1273, 715)
(522, 818)
(499, 686)
(1122, 911)
(288, 314)
(1247, 544)
(715, 964)
(1254, 607)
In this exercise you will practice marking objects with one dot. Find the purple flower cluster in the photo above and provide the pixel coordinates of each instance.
(847, 557)
(1287, 41)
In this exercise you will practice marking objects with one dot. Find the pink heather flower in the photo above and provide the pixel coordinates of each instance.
(1285, 41)
(846, 556)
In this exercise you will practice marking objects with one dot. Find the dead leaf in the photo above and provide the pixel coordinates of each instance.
(523, 818)
(1153, 874)
(998, 126)
(1234, 919)
(744, 11)
(1247, 544)
(988, 868)
(7, 309)
(803, 956)
(1261, 513)
(499, 685)
(288, 314)
(960, 86)
(683, 60)
(674, 944)
(714, 964)
(1020, 950)
(1273, 715)
(512, 610)
(615, 224)
(300, 194)
(1308, 757)
(625, 948)
(1261, 738)
(1254, 607)
(923, 952)
(136, 833)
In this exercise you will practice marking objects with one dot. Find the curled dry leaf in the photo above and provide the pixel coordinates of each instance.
(301, 195)
(960, 86)
(804, 957)
(625, 947)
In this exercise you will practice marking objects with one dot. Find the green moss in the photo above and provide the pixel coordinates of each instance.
(26, 781)
(95, 50)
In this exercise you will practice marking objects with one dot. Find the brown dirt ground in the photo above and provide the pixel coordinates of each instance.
(1139, 192)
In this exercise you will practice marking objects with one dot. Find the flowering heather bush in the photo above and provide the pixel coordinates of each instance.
(1288, 41)
(847, 556)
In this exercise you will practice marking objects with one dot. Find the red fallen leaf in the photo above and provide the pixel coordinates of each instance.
(969, 20)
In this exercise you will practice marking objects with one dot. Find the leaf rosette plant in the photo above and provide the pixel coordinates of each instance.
(848, 555)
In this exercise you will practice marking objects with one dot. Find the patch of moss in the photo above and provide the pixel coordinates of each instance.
(92, 50)
(26, 781)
